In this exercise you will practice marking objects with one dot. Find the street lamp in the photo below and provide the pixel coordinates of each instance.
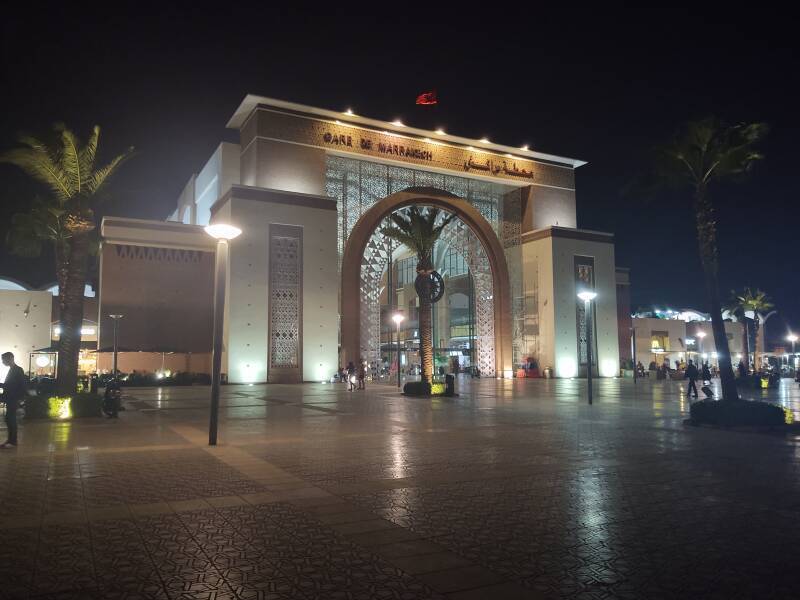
(222, 233)
(398, 318)
(701, 335)
(587, 298)
(116, 348)
(792, 338)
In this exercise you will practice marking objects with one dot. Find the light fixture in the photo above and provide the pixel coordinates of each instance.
(485, 140)
(440, 131)
(701, 334)
(398, 318)
(349, 112)
(223, 231)
(398, 123)
(525, 148)
(792, 338)
(42, 361)
(587, 296)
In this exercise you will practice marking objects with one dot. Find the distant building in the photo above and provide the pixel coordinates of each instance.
(680, 335)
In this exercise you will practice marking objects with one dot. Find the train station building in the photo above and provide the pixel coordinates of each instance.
(311, 281)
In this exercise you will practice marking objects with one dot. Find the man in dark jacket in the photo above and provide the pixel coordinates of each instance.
(691, 375)
(14, 389)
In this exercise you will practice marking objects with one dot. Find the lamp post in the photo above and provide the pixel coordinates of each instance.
(116, 348)
(222, 233)
(398, 318)
(587, 298)
(792, 338)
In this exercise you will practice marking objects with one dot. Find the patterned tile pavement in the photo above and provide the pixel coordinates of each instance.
(515, 489)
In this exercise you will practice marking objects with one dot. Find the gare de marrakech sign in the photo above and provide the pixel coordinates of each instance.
(353, 139)
(366, 144)
(403, 149)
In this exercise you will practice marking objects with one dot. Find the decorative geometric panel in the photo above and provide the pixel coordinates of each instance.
(511, 229)
(584, 280)
(153, 253)
(462, 239)
(373, 264)
(285, 297)
(357, 185)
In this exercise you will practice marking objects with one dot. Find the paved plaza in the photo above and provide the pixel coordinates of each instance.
(515, 489)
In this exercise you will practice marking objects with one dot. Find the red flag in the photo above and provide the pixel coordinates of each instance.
(427, 98)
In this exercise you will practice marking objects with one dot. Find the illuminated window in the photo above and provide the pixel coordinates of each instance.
(454, 264)
(659, 340)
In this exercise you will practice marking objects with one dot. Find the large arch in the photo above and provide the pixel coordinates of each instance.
(360, 235)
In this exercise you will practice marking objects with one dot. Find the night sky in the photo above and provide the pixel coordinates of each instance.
(602, 88)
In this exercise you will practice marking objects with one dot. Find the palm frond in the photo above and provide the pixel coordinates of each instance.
(99, 177)
(88, 153)
(70, 158)
(399, 236)
(29, 230)
(38, 161)
(708, 150)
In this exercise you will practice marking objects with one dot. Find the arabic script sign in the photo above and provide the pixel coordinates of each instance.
(498, 167)
(339, 137)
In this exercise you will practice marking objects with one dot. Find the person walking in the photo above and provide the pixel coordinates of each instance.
(15, 387)
(351, 376)
(362, 374)
(691, 374)
(706, 374)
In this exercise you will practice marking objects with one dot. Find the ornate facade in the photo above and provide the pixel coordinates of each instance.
(311, 279)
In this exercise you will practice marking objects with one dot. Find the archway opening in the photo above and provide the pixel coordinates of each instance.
(365, 258)
(462, 319)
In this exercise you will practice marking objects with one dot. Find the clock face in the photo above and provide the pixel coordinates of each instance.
(435, 286)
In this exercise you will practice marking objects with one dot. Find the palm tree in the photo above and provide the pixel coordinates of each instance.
(419, 229)
(759, 303)
(65, 219)
(736, 307)
(704, 153)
